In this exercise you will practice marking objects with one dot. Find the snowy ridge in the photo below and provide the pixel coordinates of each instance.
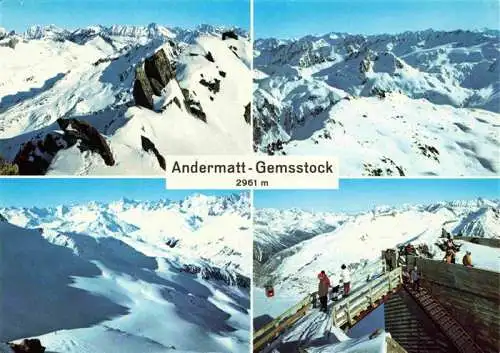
(155, 276)
(362, 237)
(406, 104)
(289, 228)
(153, 30)
(90, 74)
(191, 221)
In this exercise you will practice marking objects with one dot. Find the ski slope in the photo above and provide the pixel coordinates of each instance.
(102, 278)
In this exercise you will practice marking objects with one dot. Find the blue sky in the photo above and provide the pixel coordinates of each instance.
(295, 18)
(53, 192)
(356, 195)
(19, 14)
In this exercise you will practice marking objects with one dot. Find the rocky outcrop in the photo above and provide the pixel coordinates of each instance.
(90, 139)
(149, 146)
(213, 86)
(246, 115)
(156, 86)
(143, 92)
(158, 67)
(386, 167)
(210, 273)
(209, 57)
(35, 156)
(172, 242)
(229, 35)
(193, 105)
(28, 346)
(10, 43)
(151, 78)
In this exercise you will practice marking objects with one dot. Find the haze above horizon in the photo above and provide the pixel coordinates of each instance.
(296, 18)
(360, 195)
(19, 15)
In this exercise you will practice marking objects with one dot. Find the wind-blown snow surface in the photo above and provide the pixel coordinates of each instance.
(417, 103)
(50, 73)
(362, 237)
(316, 334)
(101, 277)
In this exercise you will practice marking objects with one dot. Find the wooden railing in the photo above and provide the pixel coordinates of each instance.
(364, 299)
(346, 312)
(276, 327)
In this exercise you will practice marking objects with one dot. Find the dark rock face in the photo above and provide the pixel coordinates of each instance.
(210, 273)
(222, 73)
(193, 105)
(380, 93)
(156, 86)
(152, 78)
(274, 148)
(90, 138)
(143, 92)
(388, 167)
(177, 102)
(158, 67)
(28, 346)
(229, 34)
(148, 145)
(172, 242)
(11, 43)
(213, 86)
(247, 113)
(209, 57)
(234, 50)
(429, 151)
(35, 156)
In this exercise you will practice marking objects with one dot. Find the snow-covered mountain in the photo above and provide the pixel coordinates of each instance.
(120, 99)
(129, 276)
(356, 238)
(416, 103)
(289, 227)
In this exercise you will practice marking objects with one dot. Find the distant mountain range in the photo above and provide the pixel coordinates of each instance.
(416, 103)
(291, 246)
(129, 276)
(119, 99)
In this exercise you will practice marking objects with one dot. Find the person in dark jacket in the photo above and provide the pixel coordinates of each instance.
(323, 286)
(335, 292)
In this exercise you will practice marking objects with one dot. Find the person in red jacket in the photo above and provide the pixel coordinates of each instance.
(323, 286)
